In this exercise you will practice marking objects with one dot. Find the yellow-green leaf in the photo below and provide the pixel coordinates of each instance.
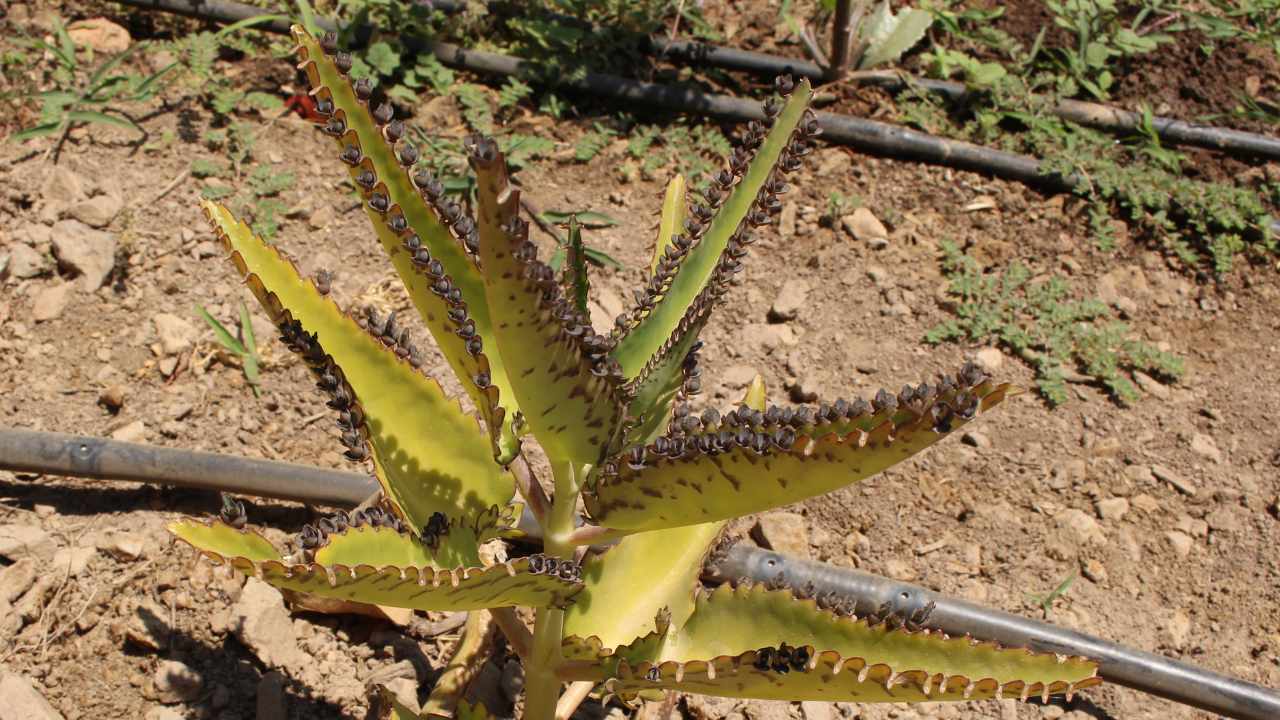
(428, 454)
(628, 585)
(735, 479)
(379, 546)
(219, 537)
(717, 652)
(571, 402)
(673, 207)
(494, 399)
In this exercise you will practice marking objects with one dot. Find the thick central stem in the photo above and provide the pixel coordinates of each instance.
(542, 688)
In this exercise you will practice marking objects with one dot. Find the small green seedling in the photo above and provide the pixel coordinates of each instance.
(611, 412)
(247, 350)
(1046, 603)
(79, 100)
(575, 223)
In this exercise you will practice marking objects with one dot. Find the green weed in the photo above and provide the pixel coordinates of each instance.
(1063, 339)
(244, 346)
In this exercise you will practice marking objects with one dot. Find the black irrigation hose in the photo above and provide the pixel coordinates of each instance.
(1102, 117)
(91, 457)
(58, 454)
(869, 136)
(1171, 679)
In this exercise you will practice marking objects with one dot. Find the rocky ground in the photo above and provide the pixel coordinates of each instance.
(1166, 512)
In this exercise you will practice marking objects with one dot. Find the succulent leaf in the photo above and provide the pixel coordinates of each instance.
(568, 389)
(379, 546)
(524, 581)
(449, 469)
(672, 222)
(417, 225)
(577, 283)
(748, 462)
(225, 540)
(742, 196)
(758, 643)
(628, 585)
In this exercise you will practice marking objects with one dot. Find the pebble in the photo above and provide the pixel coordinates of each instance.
(97, 211)
(865, 227)
(707, 707)
(135, 431)
(60, 189)
(790, 301)
(22, 701)
(124, 546)
(787, 220)
(1179, 483)
(112, 398)
(176, 682)
(321, 218)
(16, 579)
(1177, 628)
(49, 303)
(26, 262)
(784, 532)
(100, 34)
(1095, 571)
(1084, 527)
(1112, 508)
(260, 621)
(975, 439)
(767, 710)
(1204, 446)
(176, 334)
(84, 250)
(990, 359)
(1180, 542)
(814, 710)
(73, 560)
(737, 377)
(768, 337)
(1151, 386)
(168, 366)
(163, 713)
(25, 541)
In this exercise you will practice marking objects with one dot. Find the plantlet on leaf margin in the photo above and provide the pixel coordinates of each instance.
(612, 414)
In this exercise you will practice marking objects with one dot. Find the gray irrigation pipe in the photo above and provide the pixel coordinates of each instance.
(869, 136)
(1102, 117)
(82, 456)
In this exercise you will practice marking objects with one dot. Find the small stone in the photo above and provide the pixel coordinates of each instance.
(783, 532)
(112, 398)
(790, 301)
(1112, 508)
(707, 707)
(124, 546)
(205, 250)
(880, 277)
(259, 619)
(1082, 526)
(25, 541)
(975, 439)
(176, 334)
(322, 218)
(73, 560)
(60, 189)
(1151, 386)
(865, 227)
(135, 431)
(767, 710)
(168, 366)
(81, 249)
(1095, 571)
(1180, 542)
(1204, 446)
(22, 701)
(989, 359)
(271, 699)
(1179, 483)
(737, 377)
(100, 34)
(1225, 520)
(768, 337)
(899, 569)
(97, 211)
(16, 579)
(49, 303)
(26, 262)
(163, 713)
(1177, 628)
(787, 220)
(176, 682)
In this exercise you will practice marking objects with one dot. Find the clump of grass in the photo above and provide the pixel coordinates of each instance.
(1065, 340)
(244, 347)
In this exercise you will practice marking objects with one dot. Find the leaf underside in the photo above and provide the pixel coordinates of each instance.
(626, 586)
(718, 652)
(394, 181)
(449, 469)
(732, 479)
(409, 586)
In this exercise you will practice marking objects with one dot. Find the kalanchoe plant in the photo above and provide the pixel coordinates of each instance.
(611, 412)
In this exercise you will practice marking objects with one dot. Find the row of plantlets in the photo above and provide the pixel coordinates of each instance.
(611, 413)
